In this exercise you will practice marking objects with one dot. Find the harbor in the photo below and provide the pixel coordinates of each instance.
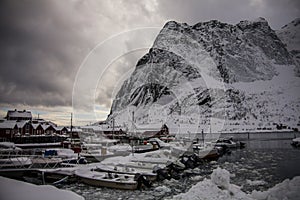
(149, 171)
(150, 100)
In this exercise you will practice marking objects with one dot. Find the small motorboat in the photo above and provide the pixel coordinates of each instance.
(107, 179)
(296, 142)
(126, 170)
(96, 155)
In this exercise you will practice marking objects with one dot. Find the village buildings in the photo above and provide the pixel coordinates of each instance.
(21, 123)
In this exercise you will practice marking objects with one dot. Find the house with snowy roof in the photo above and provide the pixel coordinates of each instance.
(48, 129)
(18, 115)
(37, 129)
(18, 124)
(61, 130)
(8, 129)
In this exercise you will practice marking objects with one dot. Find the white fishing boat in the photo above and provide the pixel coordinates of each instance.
(8, 148)
(120, 149)
(105, 179)
(123, 169)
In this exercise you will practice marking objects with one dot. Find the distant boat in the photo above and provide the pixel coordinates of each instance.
(296, 142)
(228, 142)
(153, 145)
(209, 153)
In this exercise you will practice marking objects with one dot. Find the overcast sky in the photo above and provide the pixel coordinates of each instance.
(43, 44)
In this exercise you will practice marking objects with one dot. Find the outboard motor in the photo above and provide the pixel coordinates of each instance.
(142, 180)
(163, 174)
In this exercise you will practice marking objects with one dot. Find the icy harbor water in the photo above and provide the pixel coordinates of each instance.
(261, 165)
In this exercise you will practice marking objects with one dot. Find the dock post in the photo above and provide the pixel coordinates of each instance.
(43, 177)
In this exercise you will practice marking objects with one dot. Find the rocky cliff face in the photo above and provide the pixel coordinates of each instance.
(242, 74)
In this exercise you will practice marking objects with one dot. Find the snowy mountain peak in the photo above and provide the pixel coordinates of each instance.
(290, 36)
(176, 81)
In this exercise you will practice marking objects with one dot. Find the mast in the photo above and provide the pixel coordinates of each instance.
(133, 130)
(202, 136)
(113, 122)
(71, 126)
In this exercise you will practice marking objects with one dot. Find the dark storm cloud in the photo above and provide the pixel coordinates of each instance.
(43, 43)
(40, 49)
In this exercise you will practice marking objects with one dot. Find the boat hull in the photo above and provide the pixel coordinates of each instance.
(109, 184)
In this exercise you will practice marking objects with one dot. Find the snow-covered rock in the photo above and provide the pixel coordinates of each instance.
(290, 36)
(221, 177)
(16, 190)
(287, 190)
(219, 187)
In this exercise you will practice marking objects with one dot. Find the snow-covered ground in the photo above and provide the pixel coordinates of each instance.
(219, 187)
(16, 190)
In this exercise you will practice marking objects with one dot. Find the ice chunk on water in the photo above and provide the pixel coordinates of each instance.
(256, 182)
(221, 177)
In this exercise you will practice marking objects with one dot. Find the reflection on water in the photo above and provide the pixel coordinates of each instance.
(267, 159)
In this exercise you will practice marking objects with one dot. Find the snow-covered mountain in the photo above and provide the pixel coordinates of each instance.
(234, 77)
(290, 36)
